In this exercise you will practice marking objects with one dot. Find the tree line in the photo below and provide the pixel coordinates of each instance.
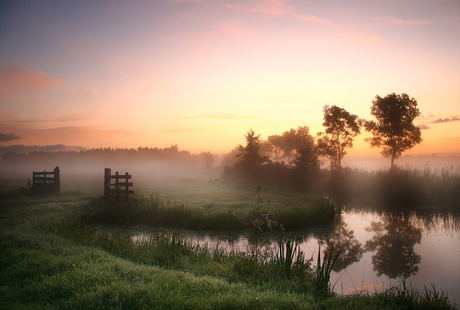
(295, 154)
(171, 153)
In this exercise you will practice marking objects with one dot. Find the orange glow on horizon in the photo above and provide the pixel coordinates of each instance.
(200, 74)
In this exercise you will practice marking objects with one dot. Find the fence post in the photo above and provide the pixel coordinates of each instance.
(57, 181)
(126, 185)
(116, 180)
(107, 182)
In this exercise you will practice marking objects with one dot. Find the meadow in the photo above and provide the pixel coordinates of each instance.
(54, 256)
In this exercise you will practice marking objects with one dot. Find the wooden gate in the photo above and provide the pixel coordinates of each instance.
(121, 185)
(47, 182)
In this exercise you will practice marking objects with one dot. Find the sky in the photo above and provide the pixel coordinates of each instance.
(201, 73)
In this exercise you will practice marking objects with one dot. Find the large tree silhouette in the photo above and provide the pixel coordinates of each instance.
(394, 130)
(341, 128)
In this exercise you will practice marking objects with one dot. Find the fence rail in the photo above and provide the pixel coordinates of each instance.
(121, 185)
(47, 182)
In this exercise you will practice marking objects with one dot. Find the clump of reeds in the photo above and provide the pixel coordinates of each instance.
(323, 271)
(290, 259)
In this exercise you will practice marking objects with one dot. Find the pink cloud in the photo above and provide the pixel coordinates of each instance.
(407, 22)
(13, 79)
(423, 127)
(219, 116)
(273, 7)
(365, 38)
(75, 117)
(446, 120)
(279, 7)
(432, 119)
(315, 19)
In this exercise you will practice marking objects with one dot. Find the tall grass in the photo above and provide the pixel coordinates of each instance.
(323, 272)
(400, 187)
(154, 210)
(52, 259)
(266, 266)
(409, 298)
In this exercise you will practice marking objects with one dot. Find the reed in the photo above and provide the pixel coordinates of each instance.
(290, 259)
(323, 273)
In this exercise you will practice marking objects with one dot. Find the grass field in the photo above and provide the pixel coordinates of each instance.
(51, 259)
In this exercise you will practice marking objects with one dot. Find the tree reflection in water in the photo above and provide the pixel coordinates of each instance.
(343, 240)
(395, 255)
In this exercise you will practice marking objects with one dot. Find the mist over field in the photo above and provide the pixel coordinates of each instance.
(192, 167)
(93, 168)
(419, 161)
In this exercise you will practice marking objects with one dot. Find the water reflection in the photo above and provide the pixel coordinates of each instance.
(343, 240)
(394, 240)
(376, 248)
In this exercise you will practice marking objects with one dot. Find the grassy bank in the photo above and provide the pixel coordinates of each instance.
(260, 213)
(51, 259)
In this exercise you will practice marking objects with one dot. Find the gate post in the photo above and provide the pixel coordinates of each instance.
(57, 180)
(33, 178)
(116, 180)
(126, 185)
(107, 182)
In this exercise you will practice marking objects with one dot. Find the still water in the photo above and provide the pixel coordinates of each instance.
(378, 251)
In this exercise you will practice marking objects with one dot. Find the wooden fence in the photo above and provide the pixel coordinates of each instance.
(121, 185)
(47, 182)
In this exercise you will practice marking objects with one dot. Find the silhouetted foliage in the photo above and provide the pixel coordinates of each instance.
(229, 159)
(343, 240)
(253, 166)
(394, 129)
(209, 159)
(286, 144)
(306, 163)
(306, 158)
(395, 256)
(341, 128)
(249, 155)
(249, 159)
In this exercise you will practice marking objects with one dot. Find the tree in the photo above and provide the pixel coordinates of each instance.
(289, 141)
(394, 129)
(229, 159)
(249, 160)
(341, 128)
(249, 155)
(209, 159)
(306, 156)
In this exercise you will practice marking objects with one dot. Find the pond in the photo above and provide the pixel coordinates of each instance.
(378, 251)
